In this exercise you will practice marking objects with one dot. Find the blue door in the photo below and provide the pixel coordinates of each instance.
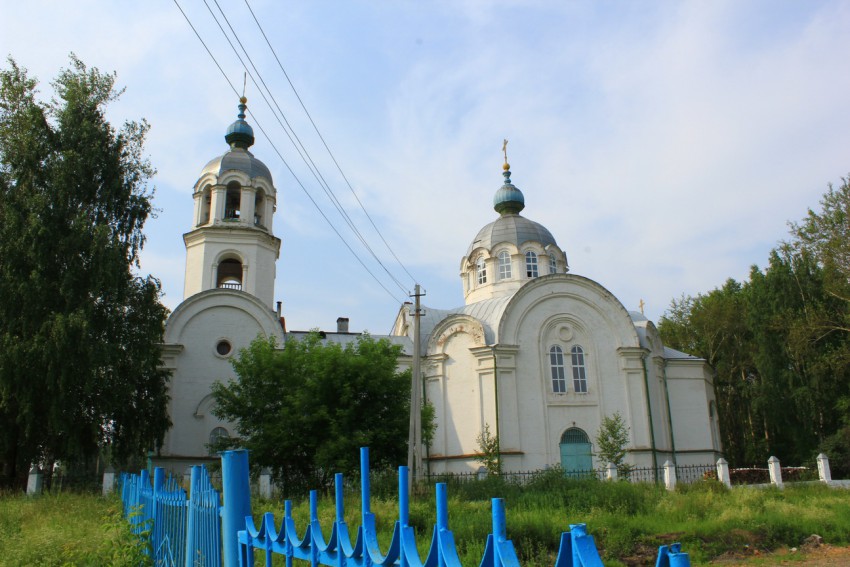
(576, 452)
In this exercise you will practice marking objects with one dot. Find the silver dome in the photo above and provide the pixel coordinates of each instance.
(515, 229)
(237, 159)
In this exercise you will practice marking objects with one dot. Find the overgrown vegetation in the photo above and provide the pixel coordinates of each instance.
(67, 529)
(629, 521)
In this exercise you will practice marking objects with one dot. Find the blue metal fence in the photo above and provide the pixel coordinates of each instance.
(182, 532)
(577, 548)
(201, 531)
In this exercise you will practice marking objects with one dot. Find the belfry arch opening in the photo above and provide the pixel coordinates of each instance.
(229, 275)
(206, 206)
(259, 203)
(232, 201)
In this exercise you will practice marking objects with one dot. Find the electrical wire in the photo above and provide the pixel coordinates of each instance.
(285, 163)
(322, 138)
(294, 139)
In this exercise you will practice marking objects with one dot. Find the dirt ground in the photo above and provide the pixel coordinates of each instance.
(806, 556)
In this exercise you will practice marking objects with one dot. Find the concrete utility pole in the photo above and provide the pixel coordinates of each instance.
(414, 438)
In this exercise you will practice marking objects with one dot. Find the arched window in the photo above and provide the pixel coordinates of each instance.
(531, 264)
(258, 209)
(232, 202)
(579, 371)
(481, 270)
(216, 435)
(553, 264)
(556, 366)
(206, 204)
(504, 265)
(230, 274)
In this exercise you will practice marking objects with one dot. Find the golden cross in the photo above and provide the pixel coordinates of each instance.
(505, 149)
(642, 305)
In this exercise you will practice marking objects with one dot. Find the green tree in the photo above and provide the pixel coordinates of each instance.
(79, 330)
(612, 440)
(304, 410)
(488, 450)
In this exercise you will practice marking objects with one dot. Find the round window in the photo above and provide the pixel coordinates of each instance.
(223, 348)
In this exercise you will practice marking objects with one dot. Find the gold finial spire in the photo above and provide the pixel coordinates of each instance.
(507, 166)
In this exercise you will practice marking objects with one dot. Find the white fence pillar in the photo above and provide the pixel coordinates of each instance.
(669, 475)
(823, 469)
(266, 484)
(775, 472)
(723, 472)
(611, 471)
(34, 482)
(108, 481)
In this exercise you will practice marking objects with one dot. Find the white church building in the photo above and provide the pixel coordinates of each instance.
(537, 354)
(540, 356)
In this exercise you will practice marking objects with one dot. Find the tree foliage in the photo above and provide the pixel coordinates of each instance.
(304, 410)
(79, 331)
(612, 440)
(778, 342)
(488, 450)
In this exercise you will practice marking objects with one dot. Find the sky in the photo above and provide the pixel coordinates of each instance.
(666, 145)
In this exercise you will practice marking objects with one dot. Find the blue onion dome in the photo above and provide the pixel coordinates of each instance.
(508, 200)
(240, 134)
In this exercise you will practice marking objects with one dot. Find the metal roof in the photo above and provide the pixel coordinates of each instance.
(515, 229)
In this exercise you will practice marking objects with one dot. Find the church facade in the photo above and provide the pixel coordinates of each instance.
(536, 354)
(539, 356)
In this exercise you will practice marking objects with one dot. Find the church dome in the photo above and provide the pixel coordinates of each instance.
(240, 160)
(513, 229)
(240, 137)
(510, 227)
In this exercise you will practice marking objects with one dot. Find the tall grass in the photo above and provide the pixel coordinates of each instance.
(628, 521)
(66, 529)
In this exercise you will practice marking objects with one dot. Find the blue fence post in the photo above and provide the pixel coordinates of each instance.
(237, 502)
(191, 543)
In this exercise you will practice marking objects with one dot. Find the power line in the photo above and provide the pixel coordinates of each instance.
(293, 137)
(322, 138)
(282, 159)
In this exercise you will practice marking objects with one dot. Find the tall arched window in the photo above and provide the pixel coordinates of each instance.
(531, 264)
(579, 371)
(206, 203)
(553, 264)
(504, 265)
(481, 270)
(258, 208)
(233, 201)
(556, 366)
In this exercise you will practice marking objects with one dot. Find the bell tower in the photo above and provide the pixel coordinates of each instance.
(232, 245)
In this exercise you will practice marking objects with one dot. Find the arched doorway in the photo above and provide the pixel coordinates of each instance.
(576, 451)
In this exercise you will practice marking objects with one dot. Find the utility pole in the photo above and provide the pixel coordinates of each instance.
(414, 438)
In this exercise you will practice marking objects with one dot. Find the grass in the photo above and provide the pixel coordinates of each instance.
(628, 521)
(65, 529)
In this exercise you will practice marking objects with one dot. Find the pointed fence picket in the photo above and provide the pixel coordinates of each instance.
(192, 532)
